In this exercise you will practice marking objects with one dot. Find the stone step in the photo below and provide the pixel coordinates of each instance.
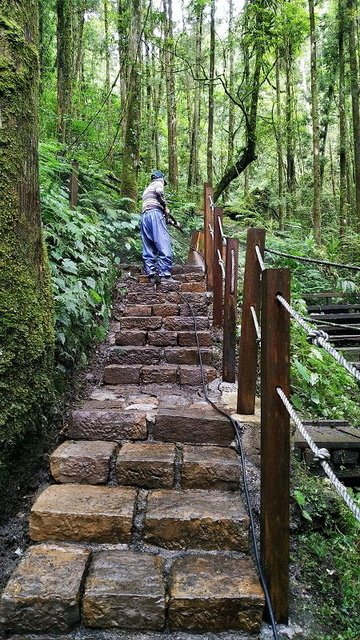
(112, 425)
(83, 462)
(168, 323)
(193, 426)
(83, 513)
(137, 269)
(149, 465)
(206, 467)
(44, 592)
(162, 338)
(125, 590)
(150, 355)
(195, 519)
(171, 297)
(163, 310)
(185, 375)
(213, 594)
(57, 588)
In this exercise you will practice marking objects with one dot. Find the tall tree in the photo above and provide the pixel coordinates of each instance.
(64, 66)
(315, 125)
(131, 148)
(26, 330)
(354, 81)
(342, 119)
(263, 16)
(171, 95)
(211, 96)
(231, 122)
(194, 170)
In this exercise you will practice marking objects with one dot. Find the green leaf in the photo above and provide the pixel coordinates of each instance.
(69, 266)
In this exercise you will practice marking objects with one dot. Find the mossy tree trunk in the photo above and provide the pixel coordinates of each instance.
(26, 328)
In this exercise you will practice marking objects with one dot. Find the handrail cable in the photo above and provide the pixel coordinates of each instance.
(256, 323)
(211, 230)
(212, 204)
(221, 264)
(320, 454)
(325, 263)
(320, 339)
(260, 258)
(223, 237)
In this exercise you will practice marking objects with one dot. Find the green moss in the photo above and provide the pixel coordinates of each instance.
(26, 328)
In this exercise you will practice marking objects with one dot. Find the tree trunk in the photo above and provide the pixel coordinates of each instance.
(279, 144)
(211, 97)
(231, 125)
(171, 96)
(26, 330)
(131, 149)
(354, 80)
(315, 126)
(194, 172)
(64, 67)
(248, 154)
(289, 129)
(342, 122)
(108, 83)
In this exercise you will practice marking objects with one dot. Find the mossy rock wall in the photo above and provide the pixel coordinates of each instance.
(26, 308)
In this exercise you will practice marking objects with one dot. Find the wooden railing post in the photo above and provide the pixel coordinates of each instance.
(275, 440)
(209, 241)
(217, 273)
(74, 184)
(247, 374)
(230, 310)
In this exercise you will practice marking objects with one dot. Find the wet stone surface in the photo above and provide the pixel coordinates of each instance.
(214, 594)
(192, 427)
(210, 467)
(147, 465)
(111, 424)
(194, 519)
(44, 591)
(83, 513)
(82, 462)
(125, 590)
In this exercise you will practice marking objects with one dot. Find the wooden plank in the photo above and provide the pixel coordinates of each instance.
(275, 440)
(208, 222)
(247, 373)
(218, 285)
(74, 184)
(230, 310)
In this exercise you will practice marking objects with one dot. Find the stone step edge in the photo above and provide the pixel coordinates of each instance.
(169, 589)
(180, 374)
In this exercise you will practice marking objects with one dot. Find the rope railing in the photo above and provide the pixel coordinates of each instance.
(221, 264)
(325, 263)
(321, 455)
(267, 290)
(260, 258)
(320, 339)
(223, 237)
(256, 324)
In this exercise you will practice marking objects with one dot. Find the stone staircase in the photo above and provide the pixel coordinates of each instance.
(144, 527)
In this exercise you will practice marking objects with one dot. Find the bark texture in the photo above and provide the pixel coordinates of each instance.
(26, 330)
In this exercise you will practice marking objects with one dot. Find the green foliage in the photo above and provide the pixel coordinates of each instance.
(328, 556)
(84, 246)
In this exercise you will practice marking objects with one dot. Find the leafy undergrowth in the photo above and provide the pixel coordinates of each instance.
(327, 556)
(84, 245)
